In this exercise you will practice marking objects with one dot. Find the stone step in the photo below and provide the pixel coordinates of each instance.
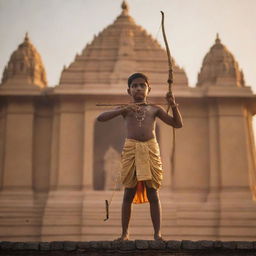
(65, 219)
(140, 225)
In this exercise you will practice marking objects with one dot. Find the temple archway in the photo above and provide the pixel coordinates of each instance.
(106, 135)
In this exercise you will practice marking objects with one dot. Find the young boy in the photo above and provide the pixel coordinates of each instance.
(141, 164)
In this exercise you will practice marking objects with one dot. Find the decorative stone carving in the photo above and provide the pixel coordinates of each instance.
(220, 68)
(119, 50)
(125, 64)
(25, 65)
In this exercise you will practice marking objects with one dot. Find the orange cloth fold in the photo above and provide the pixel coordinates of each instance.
(141, 194)
(141, 167)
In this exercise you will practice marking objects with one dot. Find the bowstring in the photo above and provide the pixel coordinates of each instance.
(158, 31)
(108, 202)
(170, 63)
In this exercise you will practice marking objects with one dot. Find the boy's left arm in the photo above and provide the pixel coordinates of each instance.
(176, 119)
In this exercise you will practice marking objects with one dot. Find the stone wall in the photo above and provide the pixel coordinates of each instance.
(137, 247)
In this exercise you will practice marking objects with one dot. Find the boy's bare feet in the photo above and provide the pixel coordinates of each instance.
(158, 237)
(123, 238)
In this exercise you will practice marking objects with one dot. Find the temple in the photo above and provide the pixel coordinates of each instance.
(58, 164)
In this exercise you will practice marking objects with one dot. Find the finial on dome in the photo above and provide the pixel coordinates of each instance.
(217, 40)
(242, 82)
(125, 7)
(26, 37)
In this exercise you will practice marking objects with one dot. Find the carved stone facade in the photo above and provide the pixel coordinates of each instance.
(25, 66)
(119, 50)
(52, 149)
(220, 68)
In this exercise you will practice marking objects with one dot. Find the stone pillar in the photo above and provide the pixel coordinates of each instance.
(55, 146)
(18, 146)
(90, 115)
(42, 146)
(212, 205)
(64, 204)
(70, 145)
(3, 107)
(234, 150)
(20, 215)
(237, 207)
(214, 151)
(252, 155)
(191, 177)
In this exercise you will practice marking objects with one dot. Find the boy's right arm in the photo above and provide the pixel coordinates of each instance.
(105, 116)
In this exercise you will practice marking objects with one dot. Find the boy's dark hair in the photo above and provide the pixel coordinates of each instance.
(136, 75)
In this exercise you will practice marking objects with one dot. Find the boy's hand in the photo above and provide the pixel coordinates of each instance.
(128, 108)
(170, 99)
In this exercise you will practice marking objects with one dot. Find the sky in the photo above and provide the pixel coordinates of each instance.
(61, 28)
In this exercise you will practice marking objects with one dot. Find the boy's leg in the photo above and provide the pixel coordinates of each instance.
(129, 194)
(155, 211)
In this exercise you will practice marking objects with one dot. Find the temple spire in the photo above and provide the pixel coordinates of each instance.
(220, 68)
(25, 66)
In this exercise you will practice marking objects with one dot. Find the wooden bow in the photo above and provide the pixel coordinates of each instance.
(170, 70)
(170, 82)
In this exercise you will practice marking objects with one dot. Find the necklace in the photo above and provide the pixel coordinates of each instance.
(140, 114)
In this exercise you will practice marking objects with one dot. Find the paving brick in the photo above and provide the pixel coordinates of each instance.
(173, 244)
(115, 244)
(70, 246)
(44, 246)
(127, 245)
(32, 246)
(106, 245)
(19, 246)
(56, 245)
(244, 245)
(137, 247)
(83, 245)
(229, 245)
(189, 245)
(217, 244)
(141, 244)
(95, 244)
(205, 244)
(157, 245)
(5, 245)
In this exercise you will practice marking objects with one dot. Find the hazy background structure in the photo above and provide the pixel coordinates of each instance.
(61, 28)
(58, 164)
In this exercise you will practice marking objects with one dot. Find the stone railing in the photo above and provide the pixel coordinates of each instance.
(137, 247)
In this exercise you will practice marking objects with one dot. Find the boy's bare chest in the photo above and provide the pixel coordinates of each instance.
(144, 114)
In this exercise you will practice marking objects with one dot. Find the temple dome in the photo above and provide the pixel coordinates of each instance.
(115, 53)
(25, 66)
(220, 67)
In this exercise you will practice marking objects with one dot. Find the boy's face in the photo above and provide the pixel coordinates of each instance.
(139, 89)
